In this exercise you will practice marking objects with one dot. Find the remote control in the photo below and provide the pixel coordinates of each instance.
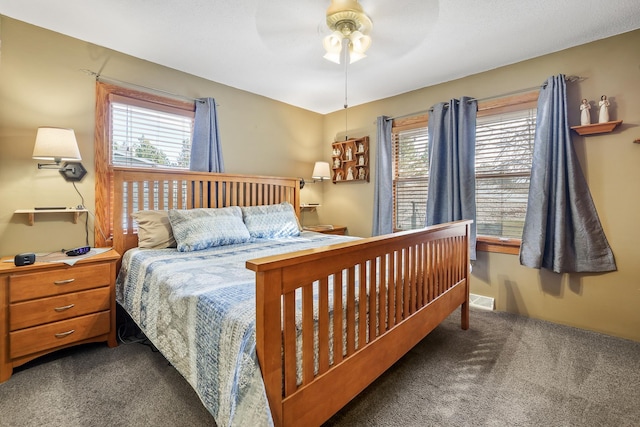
(81, 250)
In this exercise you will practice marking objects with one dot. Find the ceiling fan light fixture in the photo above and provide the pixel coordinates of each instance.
(347, 20)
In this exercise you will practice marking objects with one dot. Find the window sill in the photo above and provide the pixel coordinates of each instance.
(498, 245)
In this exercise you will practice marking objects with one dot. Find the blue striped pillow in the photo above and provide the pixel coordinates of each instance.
(197, 229)
(271, 221)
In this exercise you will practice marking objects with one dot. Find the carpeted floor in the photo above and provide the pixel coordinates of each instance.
(506, 370)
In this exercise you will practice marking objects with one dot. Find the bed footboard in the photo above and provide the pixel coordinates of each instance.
(358, 307)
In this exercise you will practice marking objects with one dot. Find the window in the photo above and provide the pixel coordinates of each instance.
(140, 130)
(144, 134)
(504, 148)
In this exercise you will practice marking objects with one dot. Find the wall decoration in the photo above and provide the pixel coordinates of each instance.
(350, 160)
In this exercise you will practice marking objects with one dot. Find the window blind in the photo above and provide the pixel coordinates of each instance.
(149, 135)
(411, 177)
(504, 151)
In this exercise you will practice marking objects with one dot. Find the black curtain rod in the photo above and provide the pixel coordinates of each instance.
(100, 77)
(568, 79)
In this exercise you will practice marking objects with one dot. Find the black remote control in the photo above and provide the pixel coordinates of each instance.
(81, 250)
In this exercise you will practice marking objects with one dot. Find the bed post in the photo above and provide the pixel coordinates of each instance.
(464, 308)
(269, 337)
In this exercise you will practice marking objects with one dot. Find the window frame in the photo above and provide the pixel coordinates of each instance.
(494, 106)
(102, 149)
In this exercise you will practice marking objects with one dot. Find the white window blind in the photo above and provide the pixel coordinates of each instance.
(411, 177)
(144, 134)
(504, 151)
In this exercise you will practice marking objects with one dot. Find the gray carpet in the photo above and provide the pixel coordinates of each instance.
(506, 370)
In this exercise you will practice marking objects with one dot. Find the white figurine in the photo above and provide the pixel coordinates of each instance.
(349, 153)
(360, 148)
(361, 174)
(350, 174)
(336, 163)
(585, 115)
(603, 117)
(361, 160)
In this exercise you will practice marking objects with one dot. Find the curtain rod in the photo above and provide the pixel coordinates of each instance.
(100, 77)
(568, 79)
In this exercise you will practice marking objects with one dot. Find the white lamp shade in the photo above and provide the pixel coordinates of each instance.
(56, 144)
(321, 170)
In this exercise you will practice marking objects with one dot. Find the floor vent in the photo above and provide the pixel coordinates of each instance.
(480, 301)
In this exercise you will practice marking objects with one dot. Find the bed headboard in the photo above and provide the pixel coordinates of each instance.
(163, 189)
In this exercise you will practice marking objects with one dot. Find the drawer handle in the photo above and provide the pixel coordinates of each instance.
(64, 334)
(63, 282)
(63, 308)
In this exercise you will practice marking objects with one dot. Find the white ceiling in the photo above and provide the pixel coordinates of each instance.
(274, 47)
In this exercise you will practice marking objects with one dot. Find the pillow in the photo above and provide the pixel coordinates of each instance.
(271, 221)
(197, 229)
(154, 230)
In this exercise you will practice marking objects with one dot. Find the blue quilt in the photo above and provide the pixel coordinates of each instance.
(198, 309)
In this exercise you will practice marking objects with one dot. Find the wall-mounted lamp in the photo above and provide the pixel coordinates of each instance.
(321, 171)
(58, 144)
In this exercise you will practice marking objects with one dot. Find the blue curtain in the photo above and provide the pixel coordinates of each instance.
(206, 150)
(383, 190)
(452, 173)
(562, 231)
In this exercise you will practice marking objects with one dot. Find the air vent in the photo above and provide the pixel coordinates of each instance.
(481, 302)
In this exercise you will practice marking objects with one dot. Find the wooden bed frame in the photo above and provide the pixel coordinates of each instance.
(412, 279)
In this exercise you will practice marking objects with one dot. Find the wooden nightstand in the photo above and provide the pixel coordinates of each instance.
(337, 229)
(49, 306)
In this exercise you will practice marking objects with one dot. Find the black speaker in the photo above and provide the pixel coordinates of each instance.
(24, 259)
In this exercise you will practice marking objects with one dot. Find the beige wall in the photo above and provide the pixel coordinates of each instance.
(40, 84)
(606, 303)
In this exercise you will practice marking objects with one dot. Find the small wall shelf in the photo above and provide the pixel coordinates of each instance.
(350, 160)
(309, 206)
(596, 128)
(32, 213)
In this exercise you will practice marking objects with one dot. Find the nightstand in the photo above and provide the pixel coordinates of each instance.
(48, 306)
(336, 229)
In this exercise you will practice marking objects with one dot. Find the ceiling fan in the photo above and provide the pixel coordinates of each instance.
(298, 31)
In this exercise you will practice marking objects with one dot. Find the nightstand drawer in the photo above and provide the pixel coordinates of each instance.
(51, 309)
(56, 282)
(57, 334)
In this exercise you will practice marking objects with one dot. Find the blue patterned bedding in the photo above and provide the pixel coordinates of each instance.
(198, 309)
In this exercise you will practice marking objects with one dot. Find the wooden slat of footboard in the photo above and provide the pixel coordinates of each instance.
(362, 304)
(351, 312)
(323, 326)
(307, 334)
(289, 332)
(337, 318)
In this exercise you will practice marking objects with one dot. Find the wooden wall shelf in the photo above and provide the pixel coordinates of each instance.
(350, 160)
(32, 212)
(596, 128)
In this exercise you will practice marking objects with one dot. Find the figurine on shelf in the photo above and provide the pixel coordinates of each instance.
(336, 163)
(362, 174)
(336, 152)
(603, 117)
(585, 115)
(360, 147)
(339, 176)
(361, 160)
(350, 174)
(349, 153)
